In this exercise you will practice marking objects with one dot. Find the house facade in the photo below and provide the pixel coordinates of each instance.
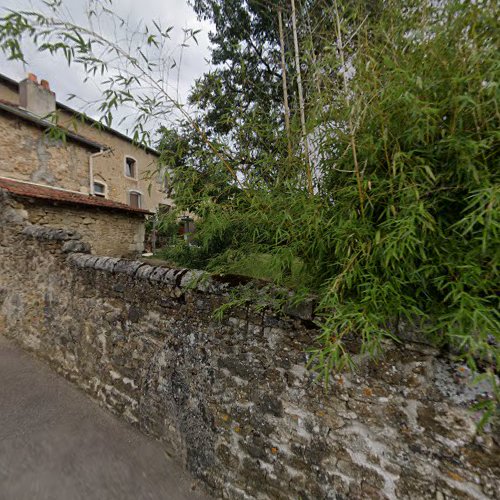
(119, 170)
(91, 181)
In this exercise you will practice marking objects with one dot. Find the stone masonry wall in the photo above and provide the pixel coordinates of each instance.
(28, 154)
(8, 93)
(232, 399)
(111, 233)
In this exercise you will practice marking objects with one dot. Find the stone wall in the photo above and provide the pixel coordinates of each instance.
(108, 232)
(28, 154)
(232, 399)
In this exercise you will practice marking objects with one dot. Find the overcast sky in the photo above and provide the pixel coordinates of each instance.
(66, 80)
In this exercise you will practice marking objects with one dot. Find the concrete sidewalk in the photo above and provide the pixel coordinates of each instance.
(58, 444)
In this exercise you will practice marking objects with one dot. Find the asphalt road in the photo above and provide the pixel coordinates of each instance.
(58, 444)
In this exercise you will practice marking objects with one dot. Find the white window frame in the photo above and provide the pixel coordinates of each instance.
(136, 168)
(135, 191)
(104, 185)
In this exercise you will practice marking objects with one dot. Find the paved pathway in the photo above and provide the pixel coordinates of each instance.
(58, 444)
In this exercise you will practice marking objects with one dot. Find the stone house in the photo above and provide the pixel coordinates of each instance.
(119, 170)
(94, 181)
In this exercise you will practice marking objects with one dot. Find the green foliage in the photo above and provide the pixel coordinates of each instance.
(166, 224)
(401, 101)
(488, 407)
(418, 240)
(245, 79)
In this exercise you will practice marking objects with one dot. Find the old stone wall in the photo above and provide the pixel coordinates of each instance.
(26, 153)
(232, 398)
(110, 233)
(107, 232)
(8, 91)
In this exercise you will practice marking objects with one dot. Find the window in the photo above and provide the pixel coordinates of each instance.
(130, 167)
(100, 189)
(135, 199)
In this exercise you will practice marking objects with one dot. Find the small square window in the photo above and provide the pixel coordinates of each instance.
(135, 199)
(130, 167)
(99, 189)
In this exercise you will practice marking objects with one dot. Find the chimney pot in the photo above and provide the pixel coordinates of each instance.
(32, 77)
(45, 84)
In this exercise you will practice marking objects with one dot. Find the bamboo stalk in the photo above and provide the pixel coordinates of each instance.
(301, 100)
(340, 47)
(284, 81)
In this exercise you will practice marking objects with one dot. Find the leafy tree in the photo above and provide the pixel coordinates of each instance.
(240, 99)
(402, 227)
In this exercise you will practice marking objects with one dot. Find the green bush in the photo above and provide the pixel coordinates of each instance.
(413, 235)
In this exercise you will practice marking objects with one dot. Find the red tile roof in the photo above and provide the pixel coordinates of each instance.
(29, 190)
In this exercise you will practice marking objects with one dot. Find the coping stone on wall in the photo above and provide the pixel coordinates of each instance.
(169, 277)
(75, 246)
(90, 264)
(49, 233)
(191, 278)
(106, 263)
(78, 259)
(158, 274)
(128, 267)
(144, 272)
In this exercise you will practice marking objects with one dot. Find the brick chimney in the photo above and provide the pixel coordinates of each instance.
(37, 98)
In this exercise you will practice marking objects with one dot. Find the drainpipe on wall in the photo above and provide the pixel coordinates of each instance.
(91, 168)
